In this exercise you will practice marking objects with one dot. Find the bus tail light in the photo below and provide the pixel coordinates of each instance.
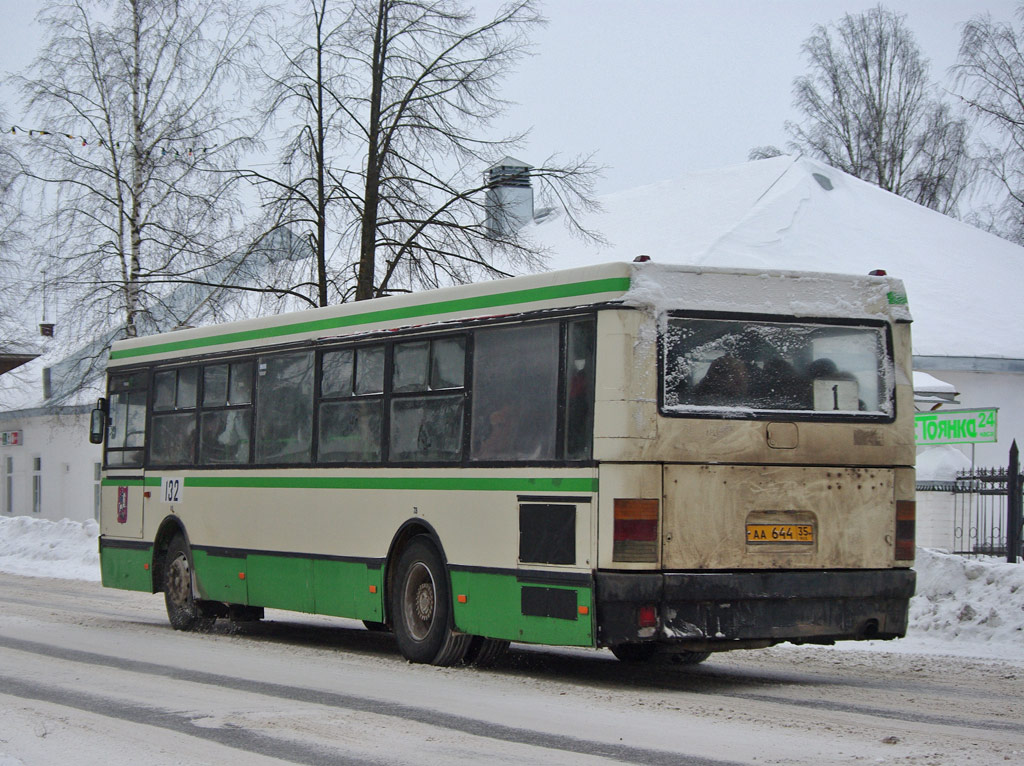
(636, 530)
(647, 616)
(906, 516)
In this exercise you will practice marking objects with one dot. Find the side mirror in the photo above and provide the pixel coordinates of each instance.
(98, 422)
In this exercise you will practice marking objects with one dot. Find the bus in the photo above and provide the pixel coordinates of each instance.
(663, 460)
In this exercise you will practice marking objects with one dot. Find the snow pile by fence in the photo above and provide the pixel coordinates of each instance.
(962, 606)
(979, 602)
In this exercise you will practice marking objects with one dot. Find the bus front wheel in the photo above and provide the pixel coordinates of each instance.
(183, 610)
(421, 607)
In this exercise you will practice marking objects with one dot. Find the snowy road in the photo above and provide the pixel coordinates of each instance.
(89, 675)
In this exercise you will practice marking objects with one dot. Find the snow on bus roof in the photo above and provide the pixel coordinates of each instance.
(761, 291)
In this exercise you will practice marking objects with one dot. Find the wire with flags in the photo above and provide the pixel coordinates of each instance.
(185, 152)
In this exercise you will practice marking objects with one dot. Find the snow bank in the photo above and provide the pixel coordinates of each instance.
(972, 602)
(40, 548)
(962, 607)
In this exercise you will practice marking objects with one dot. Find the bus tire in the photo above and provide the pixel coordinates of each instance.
(421, 612)
(183, 610)
(484, 652)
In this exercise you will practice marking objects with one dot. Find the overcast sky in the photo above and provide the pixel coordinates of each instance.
(655, 87)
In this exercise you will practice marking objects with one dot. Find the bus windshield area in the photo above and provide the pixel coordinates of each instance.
(760, 366)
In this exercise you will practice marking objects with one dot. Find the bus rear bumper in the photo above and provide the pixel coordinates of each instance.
(713, 611)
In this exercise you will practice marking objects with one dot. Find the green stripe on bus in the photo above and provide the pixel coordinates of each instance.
(465, 484)
(149, 481)
(515, 297)
(897, 299)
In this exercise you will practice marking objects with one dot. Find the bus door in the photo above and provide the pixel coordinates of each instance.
(124, 482)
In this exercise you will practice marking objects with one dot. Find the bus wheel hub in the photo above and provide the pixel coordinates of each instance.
(425, 602)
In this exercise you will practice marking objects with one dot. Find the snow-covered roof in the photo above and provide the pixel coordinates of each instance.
(930, 390)
(798, 214)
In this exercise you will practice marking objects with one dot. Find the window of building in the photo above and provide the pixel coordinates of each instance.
(8, 484)
(37, 485)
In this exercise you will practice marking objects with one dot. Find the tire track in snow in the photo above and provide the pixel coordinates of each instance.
(285, 750)
(238, 739)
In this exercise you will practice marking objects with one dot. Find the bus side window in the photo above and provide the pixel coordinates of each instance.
(225, 423)
(351, 405)
(428, 400)
(284, 408)
(515, 392)
(126, 434)
(174, 417)
(579, 389)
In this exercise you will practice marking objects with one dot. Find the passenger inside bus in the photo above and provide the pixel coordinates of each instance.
(726, 382)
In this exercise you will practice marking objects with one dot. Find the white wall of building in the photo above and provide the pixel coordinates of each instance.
(52, 473)
(935, 520)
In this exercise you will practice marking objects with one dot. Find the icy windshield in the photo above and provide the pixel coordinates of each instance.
(775, 366)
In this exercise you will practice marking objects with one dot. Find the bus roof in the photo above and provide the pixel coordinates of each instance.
(641, 285)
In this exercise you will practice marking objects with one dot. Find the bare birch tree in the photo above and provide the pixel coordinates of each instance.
(9, 209)
(990, 79)
(394, 100)
(305, 92)
(870, 110)
(140, 99)
(11, 240)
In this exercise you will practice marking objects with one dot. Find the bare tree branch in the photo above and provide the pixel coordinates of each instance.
(154, 85)
(870, 110)
(990, 80)
(389, 103)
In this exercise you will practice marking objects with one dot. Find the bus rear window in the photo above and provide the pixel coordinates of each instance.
(754, 366)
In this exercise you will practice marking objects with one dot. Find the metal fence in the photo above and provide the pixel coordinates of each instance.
(987, 505)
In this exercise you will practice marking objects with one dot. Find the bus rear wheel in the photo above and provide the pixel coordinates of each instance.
(485, 652)
(421, 607)
(183, 610)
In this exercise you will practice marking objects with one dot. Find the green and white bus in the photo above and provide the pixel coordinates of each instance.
(664, 460)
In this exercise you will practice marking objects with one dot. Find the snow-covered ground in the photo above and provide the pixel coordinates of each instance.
(965, 607)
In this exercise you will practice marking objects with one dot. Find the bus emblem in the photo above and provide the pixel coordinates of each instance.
(122, 505)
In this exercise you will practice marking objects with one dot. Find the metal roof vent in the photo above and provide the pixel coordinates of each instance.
(508, 200)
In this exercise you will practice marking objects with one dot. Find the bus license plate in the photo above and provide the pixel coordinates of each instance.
(762, 534)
